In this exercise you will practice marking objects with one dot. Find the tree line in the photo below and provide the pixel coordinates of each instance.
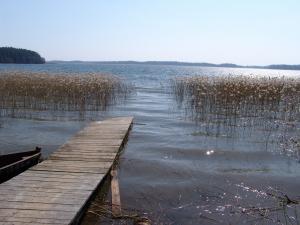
(20, 56)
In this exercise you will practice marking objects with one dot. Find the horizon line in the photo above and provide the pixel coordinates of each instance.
(170, 62)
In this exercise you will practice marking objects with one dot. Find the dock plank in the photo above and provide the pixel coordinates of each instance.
(56, 190)
(37, 214)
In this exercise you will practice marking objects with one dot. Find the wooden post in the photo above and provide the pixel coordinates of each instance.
(115, 194)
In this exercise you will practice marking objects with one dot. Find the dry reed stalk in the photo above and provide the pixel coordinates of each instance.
(23, 91)
(239, 97)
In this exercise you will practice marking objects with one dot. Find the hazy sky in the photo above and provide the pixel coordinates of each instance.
(243, 32)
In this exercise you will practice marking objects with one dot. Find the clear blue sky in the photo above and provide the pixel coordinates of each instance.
(243, 32)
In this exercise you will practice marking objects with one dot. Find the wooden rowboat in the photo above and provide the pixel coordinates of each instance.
(15, 163)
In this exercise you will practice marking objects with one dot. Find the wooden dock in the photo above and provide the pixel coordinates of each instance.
(57, 190)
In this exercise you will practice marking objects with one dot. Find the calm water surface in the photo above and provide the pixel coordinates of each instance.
(172, 170)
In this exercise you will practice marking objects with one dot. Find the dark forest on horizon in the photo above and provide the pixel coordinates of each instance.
(19, 56)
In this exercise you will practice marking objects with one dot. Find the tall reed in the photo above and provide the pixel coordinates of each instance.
(263, 108)
(239, 97)
(23, 91)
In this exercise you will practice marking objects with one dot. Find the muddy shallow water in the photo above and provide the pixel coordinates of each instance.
(172, 170)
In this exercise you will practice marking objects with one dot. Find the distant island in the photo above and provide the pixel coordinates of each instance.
(19, 56)
(176, 63)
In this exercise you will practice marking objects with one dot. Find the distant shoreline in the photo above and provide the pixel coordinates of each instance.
(11, 55)
(176, 63)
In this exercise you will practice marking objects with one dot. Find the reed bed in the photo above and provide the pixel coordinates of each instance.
(233, 97)
(261, 109)
(21, 92)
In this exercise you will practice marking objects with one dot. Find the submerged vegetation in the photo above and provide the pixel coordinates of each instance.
(23, 92)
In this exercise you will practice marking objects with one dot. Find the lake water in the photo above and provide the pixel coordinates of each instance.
(173, 171)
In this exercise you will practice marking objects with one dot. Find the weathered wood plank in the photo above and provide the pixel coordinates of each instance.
(106, 135)
(54, 191)
(98, 149)
(47, 181)
(85, 159)
(65, 175)
(82, 157)
(61, 175)
(40, 206)
(51, 185)
(96, 143)
(22, 220)
(72, 169)
(58, 198)
(42, 191)
(87, 151)
(38, 214)
(76, 164)
(85, 154)
(55, 179)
